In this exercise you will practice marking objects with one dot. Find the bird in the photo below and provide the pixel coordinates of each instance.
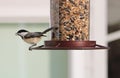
(33, 37)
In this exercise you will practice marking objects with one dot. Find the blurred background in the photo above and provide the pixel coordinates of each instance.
(17, 62)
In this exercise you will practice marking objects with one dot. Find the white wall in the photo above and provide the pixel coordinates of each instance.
(24, 11)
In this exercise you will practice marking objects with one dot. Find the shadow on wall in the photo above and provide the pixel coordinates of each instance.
(58, 65)
(114, 52)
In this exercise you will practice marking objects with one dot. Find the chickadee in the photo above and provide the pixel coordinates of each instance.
(32, 37)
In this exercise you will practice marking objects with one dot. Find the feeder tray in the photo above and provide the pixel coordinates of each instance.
(70, 45)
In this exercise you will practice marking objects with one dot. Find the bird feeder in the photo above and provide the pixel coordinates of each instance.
(72, 17)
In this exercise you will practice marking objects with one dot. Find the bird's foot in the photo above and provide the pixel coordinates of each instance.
(41, 46)
(30, 48)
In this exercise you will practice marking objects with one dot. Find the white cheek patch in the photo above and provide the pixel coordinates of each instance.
(23, 34)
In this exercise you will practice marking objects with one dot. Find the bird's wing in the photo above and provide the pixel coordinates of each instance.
(33, 34)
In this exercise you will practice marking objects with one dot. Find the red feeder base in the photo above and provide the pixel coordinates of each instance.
(70, 45)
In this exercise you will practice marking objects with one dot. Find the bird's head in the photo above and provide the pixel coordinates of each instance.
(22, 32)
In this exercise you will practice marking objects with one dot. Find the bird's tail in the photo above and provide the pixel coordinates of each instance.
(49, 29)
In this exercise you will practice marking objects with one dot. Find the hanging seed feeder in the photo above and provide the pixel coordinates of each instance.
(72, 17)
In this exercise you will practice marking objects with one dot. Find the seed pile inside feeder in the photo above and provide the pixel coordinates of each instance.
(72, 18)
